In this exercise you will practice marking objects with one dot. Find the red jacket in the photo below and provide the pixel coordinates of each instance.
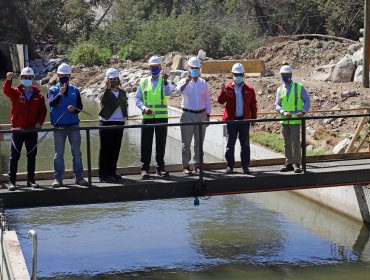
(25, 114)
(228, 97)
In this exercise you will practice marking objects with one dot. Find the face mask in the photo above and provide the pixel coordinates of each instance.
(194, 72)
(155, 71)
(239, 79)
(286, 79)
(64, 80)
(26, 83)
(114, 84)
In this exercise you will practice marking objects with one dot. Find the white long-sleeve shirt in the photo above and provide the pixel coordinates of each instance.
(195, 96)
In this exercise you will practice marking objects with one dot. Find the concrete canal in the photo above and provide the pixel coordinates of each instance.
(255, 236)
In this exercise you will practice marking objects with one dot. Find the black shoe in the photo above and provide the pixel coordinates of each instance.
(287, 167)
(246, 170)
(11, 186)
(161, 171)
(103, 179)
(111, 179)
(32, 184)
(297, 168)
(117, 177)
(229, 170)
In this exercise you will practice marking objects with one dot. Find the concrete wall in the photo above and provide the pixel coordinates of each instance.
(13, 265)
(351, 201)
(13, 57)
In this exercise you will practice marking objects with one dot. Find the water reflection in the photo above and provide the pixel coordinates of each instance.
(230, 237)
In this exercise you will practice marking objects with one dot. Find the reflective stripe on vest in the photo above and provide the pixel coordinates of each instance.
(293, 103)
(154, 99)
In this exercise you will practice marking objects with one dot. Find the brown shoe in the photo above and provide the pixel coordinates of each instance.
(187, 171)
(161, 171)
(144, 175)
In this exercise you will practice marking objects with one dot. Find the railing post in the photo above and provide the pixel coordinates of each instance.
(88, 148)
(200, 129)
(304, 145)
(32, 234)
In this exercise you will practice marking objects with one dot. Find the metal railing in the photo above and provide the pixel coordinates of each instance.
(32, 234)
(88, 129)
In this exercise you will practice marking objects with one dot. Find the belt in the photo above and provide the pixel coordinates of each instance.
(239, 118)
(194, 111)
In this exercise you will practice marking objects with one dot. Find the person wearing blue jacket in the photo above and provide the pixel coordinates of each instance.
(65, 104)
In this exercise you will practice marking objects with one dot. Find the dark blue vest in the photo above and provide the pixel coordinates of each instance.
(57, 111)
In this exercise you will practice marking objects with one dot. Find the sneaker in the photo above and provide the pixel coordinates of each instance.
(287, 167)
(297, 168)
(161, 171)
(144, 174)
(11, 186)
(229, 170)
(57, 183)
(32, 184)
(197, 170)
(82, 182)
(246, 170)
(187, 171)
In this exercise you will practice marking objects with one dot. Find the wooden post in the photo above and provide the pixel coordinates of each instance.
(365, 76)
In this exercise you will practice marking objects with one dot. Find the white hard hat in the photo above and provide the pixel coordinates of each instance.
(195, 62)
(238, 68)
(64, 68)
(155, 60)
(112, 73)
(27, 72)
(286, 69)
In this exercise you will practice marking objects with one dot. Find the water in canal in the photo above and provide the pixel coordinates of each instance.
(256, 236)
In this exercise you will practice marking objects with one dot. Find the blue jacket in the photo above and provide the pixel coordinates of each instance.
(59, 114)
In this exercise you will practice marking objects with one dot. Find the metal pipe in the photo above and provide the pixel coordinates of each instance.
(88, 149)
(304, 145)
(32, 234)
(200, 129)
(26, 58)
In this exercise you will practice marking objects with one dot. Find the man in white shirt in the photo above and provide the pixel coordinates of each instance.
(196, 106)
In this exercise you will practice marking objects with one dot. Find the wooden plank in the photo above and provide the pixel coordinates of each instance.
(224, 66)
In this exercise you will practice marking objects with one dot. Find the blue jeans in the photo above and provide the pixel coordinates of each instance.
(74, 138)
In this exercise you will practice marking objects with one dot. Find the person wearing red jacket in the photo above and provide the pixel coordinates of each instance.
(241, 104)
(28, 112)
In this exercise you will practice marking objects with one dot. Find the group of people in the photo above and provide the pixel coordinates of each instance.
(28, 111)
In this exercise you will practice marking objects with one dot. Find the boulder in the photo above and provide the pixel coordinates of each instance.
(348, 94)
(353, 48)
(202, 55)
(341, 147)
(343, 70)
(178, 62)
(323, 73)
(358, 56)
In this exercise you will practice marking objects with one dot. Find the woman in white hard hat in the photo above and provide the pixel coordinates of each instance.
(151, 99)
(28, 112)
(292, 101)
(196, 107)
(113, 111)
(241, 104)
(65, 104)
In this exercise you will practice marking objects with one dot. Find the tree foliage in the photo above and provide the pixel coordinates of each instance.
(220, 27)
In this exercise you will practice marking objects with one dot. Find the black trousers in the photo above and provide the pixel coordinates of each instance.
(30, 141)
(245, 151)
(147, 142)
(110, 146)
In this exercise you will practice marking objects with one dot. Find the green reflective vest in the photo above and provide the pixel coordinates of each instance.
(293, 103)
(154, 99)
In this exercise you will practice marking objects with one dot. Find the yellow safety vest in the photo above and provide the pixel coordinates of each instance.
(154, 99)
(293, 103)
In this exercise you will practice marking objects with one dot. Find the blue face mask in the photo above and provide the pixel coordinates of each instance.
(238, 79)
(26, 83)
(155, 71)
(286, 79)
(194, 72)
